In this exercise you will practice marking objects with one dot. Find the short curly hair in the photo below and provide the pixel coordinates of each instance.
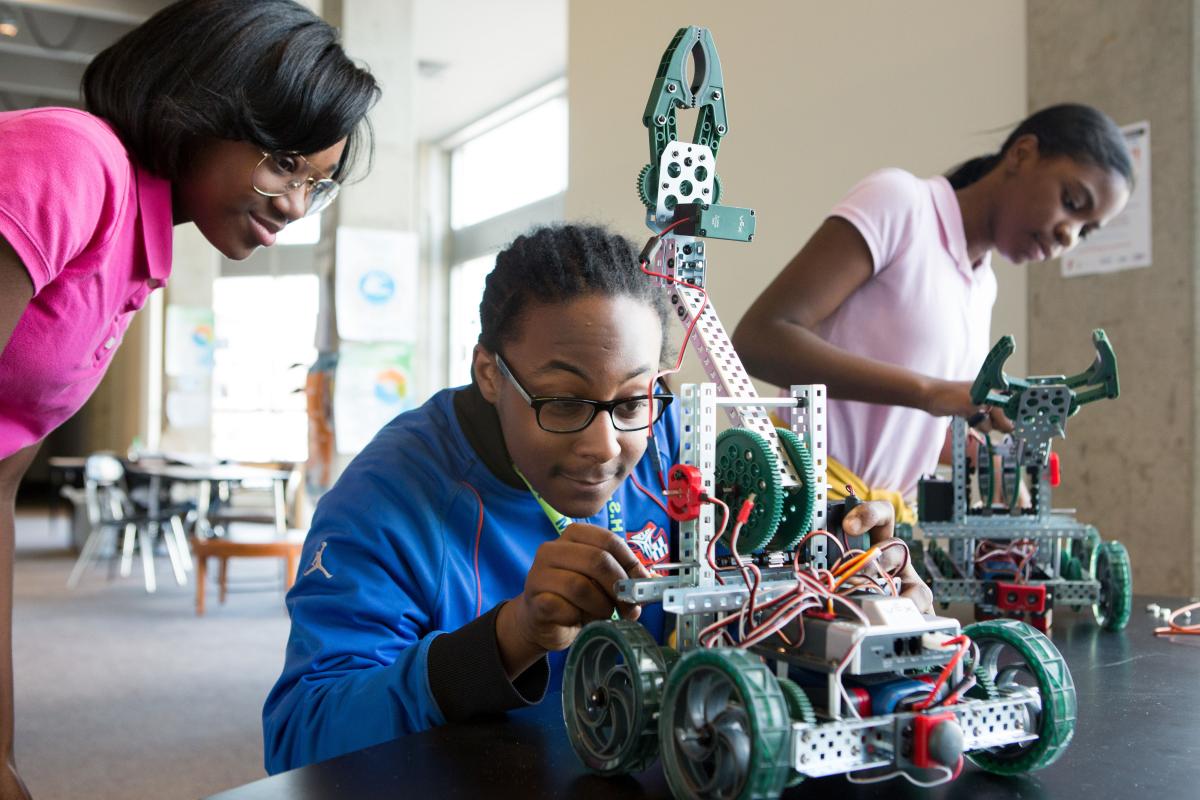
(559, 263)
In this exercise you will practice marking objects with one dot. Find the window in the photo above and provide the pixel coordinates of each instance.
(512, 165)
(264, 327)
(466, 289)
(506, 174)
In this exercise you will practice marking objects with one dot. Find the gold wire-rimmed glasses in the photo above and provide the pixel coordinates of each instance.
(277, 174)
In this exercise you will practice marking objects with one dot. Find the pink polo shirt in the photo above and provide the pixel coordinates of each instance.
(925, 309)
(94, 232)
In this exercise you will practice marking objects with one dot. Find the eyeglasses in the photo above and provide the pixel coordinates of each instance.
(573, 414)
(278, 174)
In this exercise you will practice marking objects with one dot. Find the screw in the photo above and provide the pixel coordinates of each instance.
(721, 129)
(704, 191)
(671, 87)
(716, 94)
(661, 119)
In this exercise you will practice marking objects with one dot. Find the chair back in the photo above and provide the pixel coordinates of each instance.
(104, 496)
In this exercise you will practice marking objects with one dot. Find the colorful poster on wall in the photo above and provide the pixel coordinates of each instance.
(377, 285)
(373, 384)
(190, 341)
(1125, 242)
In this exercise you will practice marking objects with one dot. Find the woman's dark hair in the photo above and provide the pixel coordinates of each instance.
(1081, 132)
(557, 264)
(268, 72)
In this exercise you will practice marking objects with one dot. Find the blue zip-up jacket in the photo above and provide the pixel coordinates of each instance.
(392, 626)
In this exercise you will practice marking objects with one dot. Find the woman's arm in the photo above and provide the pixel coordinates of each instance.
(777, 337)
(16, 290)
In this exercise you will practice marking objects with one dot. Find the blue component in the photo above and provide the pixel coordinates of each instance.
(886, 696)
(997, 569)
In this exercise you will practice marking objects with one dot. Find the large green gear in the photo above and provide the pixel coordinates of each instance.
(746, 465)
(612, 692)
(1110, 566)
(1054, 706)
(800, 501)
(724, 728)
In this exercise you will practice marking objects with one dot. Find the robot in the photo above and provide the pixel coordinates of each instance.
(1008, 558)
(794, 654)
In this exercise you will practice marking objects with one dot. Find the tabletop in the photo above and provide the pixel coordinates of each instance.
(1138, 735)
(211, 472)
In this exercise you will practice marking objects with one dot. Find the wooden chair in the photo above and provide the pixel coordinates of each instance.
(224, 549)
(285, 543)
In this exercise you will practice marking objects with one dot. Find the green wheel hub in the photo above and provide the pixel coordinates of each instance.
(800, 501)
(1110, 566)
(725, 727)
(1022, 663)
(612, 691)
(747, 465)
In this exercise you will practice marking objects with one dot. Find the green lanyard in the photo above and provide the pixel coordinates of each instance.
(559, 520)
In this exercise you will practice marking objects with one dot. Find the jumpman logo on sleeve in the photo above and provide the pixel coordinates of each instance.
(316, 563)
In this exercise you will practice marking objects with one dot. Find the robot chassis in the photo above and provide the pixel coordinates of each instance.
(1010, 560)
(843, 692)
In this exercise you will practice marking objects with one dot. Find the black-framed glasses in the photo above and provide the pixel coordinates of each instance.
(573, 414)
(278, 174)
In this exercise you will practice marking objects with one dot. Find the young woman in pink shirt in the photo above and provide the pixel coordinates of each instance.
(237, 115)
(889, 303)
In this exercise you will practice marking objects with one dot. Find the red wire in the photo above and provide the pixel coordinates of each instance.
(963, 645)
(649, 494)
(478, 536)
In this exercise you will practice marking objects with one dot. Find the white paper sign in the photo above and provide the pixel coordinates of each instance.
(190, 342)
(1125, 242)
(377, 285)
(372, 385)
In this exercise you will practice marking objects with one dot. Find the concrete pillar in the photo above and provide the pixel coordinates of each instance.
(1129, 465)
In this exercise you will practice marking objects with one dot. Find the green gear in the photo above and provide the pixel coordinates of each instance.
(985, 687)
(1056, 710)
(798, 704)
(730, 696)
(800, 710)
(647, 186)
(746, 465)
(612, 692)
(1110, 566)
(799, 501)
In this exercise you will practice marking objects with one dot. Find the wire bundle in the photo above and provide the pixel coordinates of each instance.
(1013, 559)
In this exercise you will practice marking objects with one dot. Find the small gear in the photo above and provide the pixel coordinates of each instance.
(647, 182)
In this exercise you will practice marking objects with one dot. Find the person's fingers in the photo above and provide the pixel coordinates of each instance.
(608, 541)
(593, 562)
(869, 516)
(587, 596)
(999, 420)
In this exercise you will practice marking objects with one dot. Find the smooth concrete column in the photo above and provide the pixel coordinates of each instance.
(1129, 465)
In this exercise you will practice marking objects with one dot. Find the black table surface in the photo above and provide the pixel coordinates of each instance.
(1137, 735)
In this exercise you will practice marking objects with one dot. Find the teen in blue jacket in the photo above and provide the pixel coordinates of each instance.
(464, 549)
(433, 582)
